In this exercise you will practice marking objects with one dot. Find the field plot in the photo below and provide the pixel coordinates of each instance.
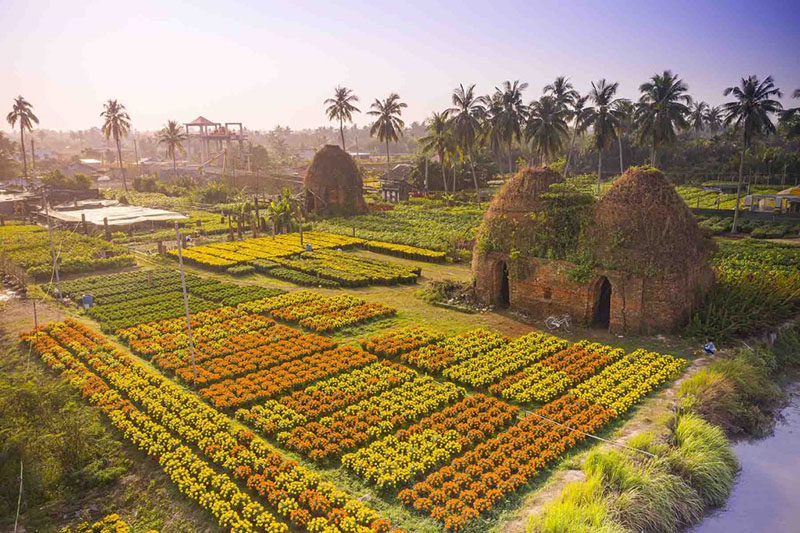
(130, 298)
(28, 247)
(428, 224)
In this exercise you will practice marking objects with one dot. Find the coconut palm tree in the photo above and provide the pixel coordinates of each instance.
(663, 107)
(467, 113)
(116, 124)
(604, 119)
(713, 119)
(509, 115)
(546, 127)
(438, 140)
(580, 124)
(697, 117)
(388, 125)
(22, 112)
(341, 108)
(173, 137)
(790, 119)
(563, 92)
(625, 111)
(750, 111)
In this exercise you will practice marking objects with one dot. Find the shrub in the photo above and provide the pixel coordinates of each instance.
(242, 270)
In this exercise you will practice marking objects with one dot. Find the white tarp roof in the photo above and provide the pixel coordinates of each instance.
(117, 215)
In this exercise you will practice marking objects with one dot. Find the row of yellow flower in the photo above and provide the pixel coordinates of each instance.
(437, 357)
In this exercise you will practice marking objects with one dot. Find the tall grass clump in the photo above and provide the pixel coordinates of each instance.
(691, 470)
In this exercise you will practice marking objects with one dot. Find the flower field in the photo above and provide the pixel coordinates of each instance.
(167, 422)
(348, 270)
(28, 247)
(450, 447)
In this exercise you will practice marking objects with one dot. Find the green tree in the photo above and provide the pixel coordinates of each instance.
(790, 119)
(438, 140)
(750, 112)
(564, 93)
(509, 114)
(580, 123)
(604, 119)
(546, 127)
(388, 125)
(8, 166)
(116, 125)
(172, 137)
(341, 108)
(713, 119)
(467, 113)
(626, 112)
(663, 107)
(697, 117)
(22, 112)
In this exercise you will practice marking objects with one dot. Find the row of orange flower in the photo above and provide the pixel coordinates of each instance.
(371, 418)
(265, 384)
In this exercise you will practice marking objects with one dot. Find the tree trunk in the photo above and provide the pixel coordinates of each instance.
(510, 167)
(426, 174)
(341, 132)
(599, 170)
(621, 165)
(569, 151)
(174, 166)
(474, 178)
(653, 155)
(388, 168)
(454, 179)
(121, 170)
(739, 188)
(22, 145)
(444, 174)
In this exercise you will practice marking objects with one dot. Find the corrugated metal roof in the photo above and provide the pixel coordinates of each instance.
(117, 215)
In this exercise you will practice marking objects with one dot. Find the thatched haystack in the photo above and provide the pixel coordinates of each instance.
(333, 183)
(641, 225)
(520, 195)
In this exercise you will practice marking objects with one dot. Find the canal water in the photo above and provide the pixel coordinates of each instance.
(767, 492)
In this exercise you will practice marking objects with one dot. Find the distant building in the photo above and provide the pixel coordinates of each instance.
(784, 202)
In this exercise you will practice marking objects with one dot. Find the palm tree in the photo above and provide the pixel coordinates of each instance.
(604, 119)
(388, 126)
(510, 115)
(341, 108)
(467, 113)
(22, 112)
(713, 119)
(750, 111)
(117, 124)
(546, 127)
(663, 106)
(173, 137)
(625, 112)
(580, 124)
(790, 119)
(563, 91)
(697, 117)
(438, 140)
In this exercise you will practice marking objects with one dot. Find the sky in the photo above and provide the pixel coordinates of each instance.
(267, 63)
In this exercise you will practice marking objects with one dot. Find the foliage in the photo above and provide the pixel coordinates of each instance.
(57, 180)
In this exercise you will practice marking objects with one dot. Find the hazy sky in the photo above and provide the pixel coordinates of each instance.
(266, 63)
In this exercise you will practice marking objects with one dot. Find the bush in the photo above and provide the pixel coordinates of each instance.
(242, 270)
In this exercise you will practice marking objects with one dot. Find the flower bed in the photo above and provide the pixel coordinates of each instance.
(439, 356)
(397, 459)
(371, 418)
(265, 384)
(399, 341)
(348, 270)
(405, 251)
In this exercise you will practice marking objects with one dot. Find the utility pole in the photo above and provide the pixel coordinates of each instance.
(33, 159)
(52, 246)
(186, 303)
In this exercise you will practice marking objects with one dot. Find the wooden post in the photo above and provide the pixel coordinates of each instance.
(83, 223)
(2, 221)
(160, 248)
(107, 230)
(186, 304)
(230, 228)
(258, 216)
(239, 226)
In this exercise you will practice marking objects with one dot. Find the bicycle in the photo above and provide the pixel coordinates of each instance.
(554, 322)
